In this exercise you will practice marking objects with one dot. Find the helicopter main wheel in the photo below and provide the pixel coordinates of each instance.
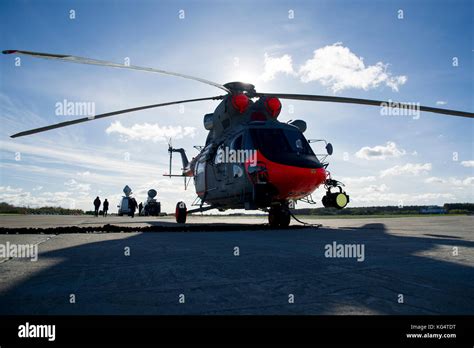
(279, 217)
(285, 218)
(181, 212)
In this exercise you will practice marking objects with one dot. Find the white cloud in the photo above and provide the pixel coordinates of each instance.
(377, 188)
(409, 168)
(387, 198)
(441, 102)
(435, 180)
(84, 174)
(467, 163)
(272, 66)
(73, 185)
(10, 189)
(357, 180)
(469, 181)
(77, 157)
(429, 197)
(380, 152)
(21, 198)
(150, 132)
(337, 67)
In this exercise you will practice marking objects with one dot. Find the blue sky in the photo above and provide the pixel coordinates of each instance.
(346, 48)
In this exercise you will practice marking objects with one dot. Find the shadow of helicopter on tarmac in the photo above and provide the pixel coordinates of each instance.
(269, 267)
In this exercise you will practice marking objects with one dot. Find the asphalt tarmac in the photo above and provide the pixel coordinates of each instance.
(237, 265)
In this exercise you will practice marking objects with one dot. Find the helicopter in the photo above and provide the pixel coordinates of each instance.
(250, 160)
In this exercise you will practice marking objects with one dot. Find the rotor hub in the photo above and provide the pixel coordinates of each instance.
(240, 87)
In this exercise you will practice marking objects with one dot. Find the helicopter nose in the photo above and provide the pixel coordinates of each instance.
(295, 182)
(290, 182)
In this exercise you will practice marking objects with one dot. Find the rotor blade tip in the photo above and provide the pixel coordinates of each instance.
(9, 51)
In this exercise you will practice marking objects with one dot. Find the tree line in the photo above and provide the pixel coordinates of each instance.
(6, 208)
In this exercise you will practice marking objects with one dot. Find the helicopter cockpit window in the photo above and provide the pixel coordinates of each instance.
(284, 146)
(278, 141)
(270, 141)
(298, 142)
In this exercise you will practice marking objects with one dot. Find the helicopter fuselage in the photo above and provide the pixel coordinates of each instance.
(256, 166)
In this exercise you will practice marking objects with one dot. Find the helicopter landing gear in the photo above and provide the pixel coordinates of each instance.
(279, 216)
(181, 212)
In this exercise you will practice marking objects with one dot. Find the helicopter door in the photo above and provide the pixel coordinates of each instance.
(200, 178)
(235, 167)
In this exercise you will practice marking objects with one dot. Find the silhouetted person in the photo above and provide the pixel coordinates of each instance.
(105, 207)
(96, 206)
(140, 208)
(132, 203)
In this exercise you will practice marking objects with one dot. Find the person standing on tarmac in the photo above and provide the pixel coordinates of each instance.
(133, 205)
(105, 207)
(96, 206)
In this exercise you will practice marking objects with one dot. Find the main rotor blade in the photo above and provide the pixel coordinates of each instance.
(113, 113)
(390, 104)
(82, 60)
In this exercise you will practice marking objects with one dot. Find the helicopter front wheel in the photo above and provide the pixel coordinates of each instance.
(279, 216)
(181, 212)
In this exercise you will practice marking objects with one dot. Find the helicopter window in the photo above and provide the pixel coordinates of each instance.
(218, 154)
(298, 142)
(200, 167)
(270, 141)
(277, 141)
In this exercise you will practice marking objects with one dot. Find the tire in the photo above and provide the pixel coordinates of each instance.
(273, 218)
(181, 213)
(285, 218)
(279, 217)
